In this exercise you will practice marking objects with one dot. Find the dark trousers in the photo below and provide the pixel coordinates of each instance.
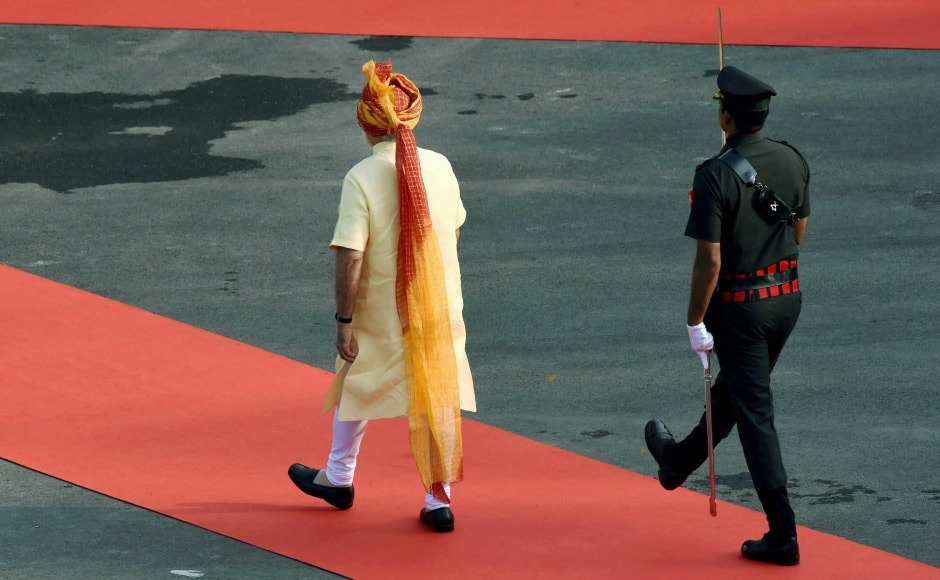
(748, 340)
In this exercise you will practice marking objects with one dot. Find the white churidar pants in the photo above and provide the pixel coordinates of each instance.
(341, 465)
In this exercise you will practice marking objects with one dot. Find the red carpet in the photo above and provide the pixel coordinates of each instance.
(836, 23)
(202, 428)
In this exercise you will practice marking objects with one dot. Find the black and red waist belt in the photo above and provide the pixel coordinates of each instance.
(775, 280)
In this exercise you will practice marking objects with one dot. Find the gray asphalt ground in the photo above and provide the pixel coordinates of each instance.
(196, 174)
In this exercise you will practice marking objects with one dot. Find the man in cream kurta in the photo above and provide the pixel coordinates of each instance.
(374, 386)
(399, 307)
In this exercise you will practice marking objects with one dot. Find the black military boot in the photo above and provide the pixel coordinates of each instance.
(658, 440)
(773, 551)
(779, 545)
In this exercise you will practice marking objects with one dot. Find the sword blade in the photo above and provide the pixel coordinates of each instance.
(712, 506)
(721, 43)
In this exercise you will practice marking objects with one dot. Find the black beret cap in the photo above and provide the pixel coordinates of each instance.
(742, 91)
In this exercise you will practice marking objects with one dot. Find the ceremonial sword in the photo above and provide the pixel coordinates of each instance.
(707, 356)
(707, 363)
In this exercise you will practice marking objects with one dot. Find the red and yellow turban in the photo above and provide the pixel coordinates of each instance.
(391, 105)
(389, 100)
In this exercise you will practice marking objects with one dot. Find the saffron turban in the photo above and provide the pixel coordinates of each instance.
(391, 104)
(389, 100)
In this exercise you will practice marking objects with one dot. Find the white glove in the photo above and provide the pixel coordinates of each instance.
(702, 341)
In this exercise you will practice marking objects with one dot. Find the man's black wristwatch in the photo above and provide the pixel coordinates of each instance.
(342, 320)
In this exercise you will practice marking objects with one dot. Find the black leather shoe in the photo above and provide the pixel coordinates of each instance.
(658, 438)
(339, 497)
(440, 520)
(766, 550)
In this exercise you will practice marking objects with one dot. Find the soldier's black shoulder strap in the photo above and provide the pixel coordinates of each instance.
(773, 209)
(740, 165)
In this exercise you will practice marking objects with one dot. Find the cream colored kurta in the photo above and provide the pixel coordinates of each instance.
(374, 386)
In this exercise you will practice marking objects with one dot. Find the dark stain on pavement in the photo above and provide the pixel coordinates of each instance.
(737, 481)
(383, 43)
(67, 141)
(230, 282)
(837, 493)
(599, 434)
(926, 200)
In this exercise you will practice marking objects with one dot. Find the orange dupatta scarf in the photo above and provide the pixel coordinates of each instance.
(391, 104)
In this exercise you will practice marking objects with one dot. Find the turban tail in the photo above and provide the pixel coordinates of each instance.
(391, 104)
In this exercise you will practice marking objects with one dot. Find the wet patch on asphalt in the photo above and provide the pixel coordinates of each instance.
(68, 141)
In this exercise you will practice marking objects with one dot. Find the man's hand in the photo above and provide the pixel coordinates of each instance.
(702, 341)
(346, 344)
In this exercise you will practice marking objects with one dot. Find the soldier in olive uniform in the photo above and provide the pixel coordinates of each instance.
(749, 211)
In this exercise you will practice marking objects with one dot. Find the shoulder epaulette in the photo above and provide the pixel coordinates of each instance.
(704, 163)
(795, 150)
